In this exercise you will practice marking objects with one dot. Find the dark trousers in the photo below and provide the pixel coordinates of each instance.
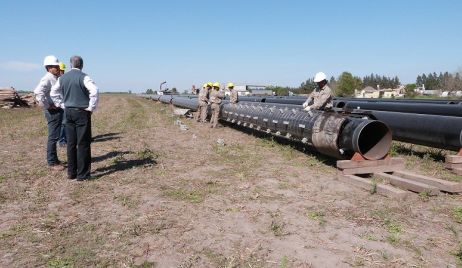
(78, 132)
(54, 118)
(62, 135)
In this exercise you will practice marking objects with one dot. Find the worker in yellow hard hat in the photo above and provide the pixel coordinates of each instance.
(233, 97)
(62, 68)
(215, 99)
(62, 135)
(203, 99)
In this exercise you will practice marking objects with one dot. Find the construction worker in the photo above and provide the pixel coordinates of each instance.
(203, 99)
(62, 68)
(53, 114)
(233, 97)
(215, 99)
(321, 97)
(62, 136)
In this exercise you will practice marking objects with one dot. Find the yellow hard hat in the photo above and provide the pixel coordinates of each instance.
(205, 85)
(216, 84)
(209, 84)
(230, 85)
(62, 66)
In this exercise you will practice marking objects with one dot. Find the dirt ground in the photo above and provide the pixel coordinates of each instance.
(167, 197)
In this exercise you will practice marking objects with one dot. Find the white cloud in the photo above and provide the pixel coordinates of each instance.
(19, 66)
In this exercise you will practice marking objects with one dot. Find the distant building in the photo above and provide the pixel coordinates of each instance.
(370, 92)
(251, 90)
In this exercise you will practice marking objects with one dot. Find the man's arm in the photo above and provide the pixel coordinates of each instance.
(39, 92)
(308, 101)
(56, 95)
(93, 89)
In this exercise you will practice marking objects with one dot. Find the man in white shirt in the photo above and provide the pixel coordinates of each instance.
(53, 113)
(76, 92)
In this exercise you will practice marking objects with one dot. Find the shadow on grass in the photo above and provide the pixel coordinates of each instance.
(108, 155)
(120, 165)
(284, 141)
(106, 137)
(419, 151)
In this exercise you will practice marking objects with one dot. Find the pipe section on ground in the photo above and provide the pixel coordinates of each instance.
(329, 133)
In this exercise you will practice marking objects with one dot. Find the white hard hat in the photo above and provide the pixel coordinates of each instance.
(50, 61)
(319, 77)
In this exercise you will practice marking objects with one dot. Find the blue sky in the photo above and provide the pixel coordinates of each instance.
(135, 45)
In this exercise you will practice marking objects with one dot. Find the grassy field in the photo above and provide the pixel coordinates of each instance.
(166, 197)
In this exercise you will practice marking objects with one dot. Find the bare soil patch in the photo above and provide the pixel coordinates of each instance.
(166, 197)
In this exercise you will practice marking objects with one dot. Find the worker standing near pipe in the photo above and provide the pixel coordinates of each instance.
(53, 114)
(203, 100)
(215, 99)
(62, 135)
(233, 97)
(321, 97)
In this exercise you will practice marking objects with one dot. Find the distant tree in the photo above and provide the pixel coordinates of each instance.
(149, 91)
(129, 92)
(409, 90)
(307, 86)
(174, 91)
(280, 91)
(347, 84)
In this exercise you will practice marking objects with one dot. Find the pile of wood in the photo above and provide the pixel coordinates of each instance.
(10, 98)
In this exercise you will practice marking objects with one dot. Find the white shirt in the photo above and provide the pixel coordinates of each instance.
(42, 91)
(57, 93)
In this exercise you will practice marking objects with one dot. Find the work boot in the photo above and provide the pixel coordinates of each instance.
(57, 167)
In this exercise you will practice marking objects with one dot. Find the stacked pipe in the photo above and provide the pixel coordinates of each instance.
(332, 134)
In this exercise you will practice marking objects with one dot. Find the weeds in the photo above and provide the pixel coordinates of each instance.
(277, 228)
(457, 214)
(317, 216)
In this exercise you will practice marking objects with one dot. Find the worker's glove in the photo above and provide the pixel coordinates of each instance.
(305, 104)
(307, 108)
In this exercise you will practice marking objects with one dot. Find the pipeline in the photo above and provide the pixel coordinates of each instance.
(416, 108)
(329, 133)
(444, 132)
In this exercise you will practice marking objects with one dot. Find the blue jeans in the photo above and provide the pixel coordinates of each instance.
(54, 121)
(62, 136)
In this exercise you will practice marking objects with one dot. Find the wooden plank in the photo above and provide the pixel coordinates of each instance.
(344, 164)
(454, 159)
(452, 165)
(457, 171)
(443, 185)
(382, 189)
(366, 170)
(410, 185)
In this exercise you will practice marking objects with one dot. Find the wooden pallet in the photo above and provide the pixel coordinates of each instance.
(400, 183)
(454, 163)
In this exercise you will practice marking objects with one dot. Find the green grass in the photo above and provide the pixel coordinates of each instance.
(457, 214)
(392, 226)
(458, 254)
(317, 216)
(277, 228)
(193, 194)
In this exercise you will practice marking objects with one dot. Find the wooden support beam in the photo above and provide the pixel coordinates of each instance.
(407, 184)
(369, 185)
(443, 185)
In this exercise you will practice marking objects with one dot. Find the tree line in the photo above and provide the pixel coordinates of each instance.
(442, 81)
(346, 83)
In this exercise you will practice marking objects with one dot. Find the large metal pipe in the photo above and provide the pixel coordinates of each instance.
(332, 134)
(438, 131)
(418, 108)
